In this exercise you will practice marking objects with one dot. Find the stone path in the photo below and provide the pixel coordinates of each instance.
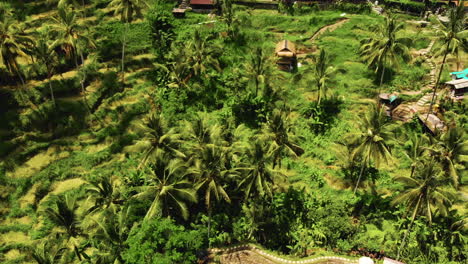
(254, 255)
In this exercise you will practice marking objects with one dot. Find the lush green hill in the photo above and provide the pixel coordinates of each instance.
(193, 138)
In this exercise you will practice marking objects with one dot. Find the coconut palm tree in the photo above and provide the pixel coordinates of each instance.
(71, 36)
(385, 48)
(417, 146)
(322, 73)
(212, 174)
(451, 39)
(423, 194)
(168, 187)
(104, 192)
(279, 131)
(63, 213)
(127, 10)
(44, 51)
(44, 253)
(258, 68)
(201, 56)
(113, 227)
(257, 176)
(450, 149)
(161, 139)
(372, 140)
(200, 133)
(13, 44)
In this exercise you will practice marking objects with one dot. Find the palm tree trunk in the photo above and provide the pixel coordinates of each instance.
(209, 226)
(124, 40)
(83, 91)
(382, 74)
(49, 78)
(438, 79)
(413, 217)
(359, 178)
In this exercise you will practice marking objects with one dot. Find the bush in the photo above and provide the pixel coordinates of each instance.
(161, 241)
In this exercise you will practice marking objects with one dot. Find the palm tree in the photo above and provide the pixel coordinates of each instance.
(112, 232)
(169, 188)
(63, 213)
(384, 48)
(322, 73)
(201, 56)
(372, 141)
(450, 149)
(44, 253)
(72, 38)
(258, 177)
(423, 194)
(128, 10)
(45, 54)
(279, 131)
(200, 133)
(258, 68)
(161, 138)
(211, 174)
(104, 192)
(13, 44)
(452, 37)
(416, 149)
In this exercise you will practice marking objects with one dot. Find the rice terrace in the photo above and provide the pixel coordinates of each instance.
(233, 131)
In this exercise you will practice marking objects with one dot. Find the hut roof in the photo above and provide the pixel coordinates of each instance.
(458, 84)
(285, 48)
(178, 10)
(432, 122)
(201, 2)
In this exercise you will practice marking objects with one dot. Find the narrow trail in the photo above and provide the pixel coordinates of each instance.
(328, 28)
(250, 254)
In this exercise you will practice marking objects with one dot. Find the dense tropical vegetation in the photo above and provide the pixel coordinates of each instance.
(130, 136)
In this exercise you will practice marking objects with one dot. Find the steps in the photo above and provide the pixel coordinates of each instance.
(426, 99)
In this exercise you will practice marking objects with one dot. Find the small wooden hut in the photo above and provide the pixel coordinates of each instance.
(286, 53)
(458, 88)
(202, 4)
(179, 12)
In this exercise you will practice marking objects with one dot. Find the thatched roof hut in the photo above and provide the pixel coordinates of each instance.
(285, 48)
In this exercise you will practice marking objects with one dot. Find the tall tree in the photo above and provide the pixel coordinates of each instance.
(211, 174)
(63, 212)
(71, 36)
(423, 194)
(45, 253)
(322, 73)
(417, 146)
(127, 10)
(451, 38)
(45, 53)
(258, 68)
(384, 47)
(451, 149)
(168, 187)
(279, 131)
(258, 177)
(113, 227)
(372, 140)
(161, 139)
(201, 56)
(104, 193)
(14, 41)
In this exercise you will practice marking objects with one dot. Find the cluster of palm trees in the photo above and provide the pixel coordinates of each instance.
(62, 41)
(435, 164)
(204, 162)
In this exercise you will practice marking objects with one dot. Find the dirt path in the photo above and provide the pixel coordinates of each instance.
(328, 28)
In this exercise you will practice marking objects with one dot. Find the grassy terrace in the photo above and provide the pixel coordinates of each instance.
(209, 121)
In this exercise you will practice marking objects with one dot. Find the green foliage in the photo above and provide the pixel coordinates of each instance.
(161, 241)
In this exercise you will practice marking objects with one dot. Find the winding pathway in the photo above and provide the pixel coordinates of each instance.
(328, 28)
(250, 254)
